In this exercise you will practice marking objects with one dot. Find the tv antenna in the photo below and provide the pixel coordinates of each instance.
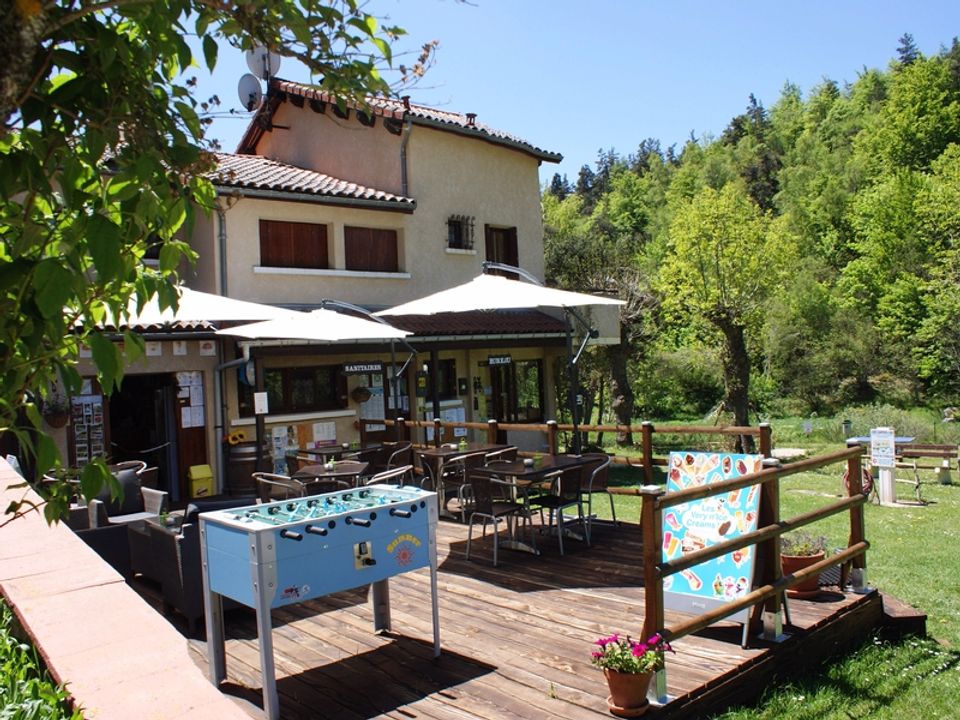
(263, 65)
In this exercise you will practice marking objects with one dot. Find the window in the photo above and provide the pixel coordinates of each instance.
(460, 232)
(502, 246)
(446, 379)
(370, 249)
(529, 390)
(292, 244)
(299, 389)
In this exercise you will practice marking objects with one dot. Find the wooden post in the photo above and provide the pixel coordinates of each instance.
(491, 431)
(363, 432)
(401, 427)
(857, 530)
(768, 568)
(646, 428)
(437, 428)
(651, 528)
(766, 446)
(552, 437)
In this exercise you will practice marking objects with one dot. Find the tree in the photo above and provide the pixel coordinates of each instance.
(559, 186)
(721, 266)
(907, 51)
(103, 160)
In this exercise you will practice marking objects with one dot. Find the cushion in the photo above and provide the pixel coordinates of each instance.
(201, 506)
(131, 502)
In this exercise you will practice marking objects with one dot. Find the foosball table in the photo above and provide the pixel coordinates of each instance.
(274, 554)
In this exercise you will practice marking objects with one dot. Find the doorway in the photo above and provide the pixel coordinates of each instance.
(143, 425)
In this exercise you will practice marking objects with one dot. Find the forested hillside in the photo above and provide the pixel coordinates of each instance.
(805, 260)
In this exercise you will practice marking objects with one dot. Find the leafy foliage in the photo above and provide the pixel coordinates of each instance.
(103, 161)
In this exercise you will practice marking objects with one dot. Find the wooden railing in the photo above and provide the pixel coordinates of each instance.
(767, 597)
(404, 430)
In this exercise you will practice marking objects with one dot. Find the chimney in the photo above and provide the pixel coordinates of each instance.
(471, 119)
(406, 102)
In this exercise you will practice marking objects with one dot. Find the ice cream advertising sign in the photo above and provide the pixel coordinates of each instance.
(702, 523)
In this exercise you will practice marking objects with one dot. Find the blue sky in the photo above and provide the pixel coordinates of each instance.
(574, 77)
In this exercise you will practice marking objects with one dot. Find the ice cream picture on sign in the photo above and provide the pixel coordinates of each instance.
(703, 523)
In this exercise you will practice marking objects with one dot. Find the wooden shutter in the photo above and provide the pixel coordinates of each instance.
(291, 244)
(502, 246)
(370, 249)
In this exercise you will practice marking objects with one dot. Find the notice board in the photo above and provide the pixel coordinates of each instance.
(703, 523)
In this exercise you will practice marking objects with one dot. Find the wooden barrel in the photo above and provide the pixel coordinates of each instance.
(241, 464)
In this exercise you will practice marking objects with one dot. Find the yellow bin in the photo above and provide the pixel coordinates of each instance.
(201, 481)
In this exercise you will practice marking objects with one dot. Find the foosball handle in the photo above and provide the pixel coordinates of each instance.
(291, 535)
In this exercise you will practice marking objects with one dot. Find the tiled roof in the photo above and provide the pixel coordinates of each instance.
(461, 123)
(480, 323)
(259, 173)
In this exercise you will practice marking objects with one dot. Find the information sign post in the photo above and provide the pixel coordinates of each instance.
(883, 456)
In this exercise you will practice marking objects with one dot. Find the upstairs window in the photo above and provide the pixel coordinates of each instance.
(502, 246)
(293, 244)
(370, 249)
(460, 232)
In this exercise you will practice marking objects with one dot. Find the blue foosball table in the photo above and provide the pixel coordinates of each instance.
(270, 555)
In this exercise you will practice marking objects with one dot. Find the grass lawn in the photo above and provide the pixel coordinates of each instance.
(915, 556)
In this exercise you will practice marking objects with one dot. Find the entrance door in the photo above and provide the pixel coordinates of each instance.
(503, 397)
(142, 425)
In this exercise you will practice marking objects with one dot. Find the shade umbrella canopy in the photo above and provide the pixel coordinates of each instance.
(495, 292)
(317, 325)
(196, 306)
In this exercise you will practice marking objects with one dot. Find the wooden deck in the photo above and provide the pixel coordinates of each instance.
(516, 640)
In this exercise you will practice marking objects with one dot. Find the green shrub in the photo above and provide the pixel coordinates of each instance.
(26, 690)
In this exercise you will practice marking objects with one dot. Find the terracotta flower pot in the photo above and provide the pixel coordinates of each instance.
(628, 692)
(792, 563)
(56, 419)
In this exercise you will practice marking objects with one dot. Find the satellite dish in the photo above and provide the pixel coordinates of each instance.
(262, 63)
(249, 91)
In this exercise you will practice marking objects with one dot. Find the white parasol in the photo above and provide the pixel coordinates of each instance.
(196, 306)
(316, 326)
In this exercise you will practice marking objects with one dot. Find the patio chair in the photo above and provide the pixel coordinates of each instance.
(507, 454)
(486, 504)
(136, 503)
(594, 478)
(564, 493)
(177, 560)
(455, 478)
(271, 486)
(402, 475)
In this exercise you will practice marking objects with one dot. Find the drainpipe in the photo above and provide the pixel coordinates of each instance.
(219, 401)
(404, 182)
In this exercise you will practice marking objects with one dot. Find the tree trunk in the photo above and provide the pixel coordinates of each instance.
(621, 393)
(736, 374)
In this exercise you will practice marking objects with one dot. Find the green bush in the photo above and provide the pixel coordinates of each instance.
(26, 689)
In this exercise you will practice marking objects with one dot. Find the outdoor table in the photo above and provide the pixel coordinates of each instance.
(334, 452)
(434, 458)
(340, 471)
(524, 477)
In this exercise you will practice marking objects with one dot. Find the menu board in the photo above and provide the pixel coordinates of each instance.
(89, 431)
(703, 523)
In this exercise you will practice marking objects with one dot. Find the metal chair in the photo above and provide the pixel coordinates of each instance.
(594, 478)
(271, 486)
(507, 454)
(488, 505)
(455, 479)
(402, 475)
(564, 493)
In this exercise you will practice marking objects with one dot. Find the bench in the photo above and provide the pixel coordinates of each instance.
(926, 456)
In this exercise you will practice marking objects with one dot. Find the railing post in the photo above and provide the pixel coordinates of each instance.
(552, 437)
(651, 528)
(492, 431)
(646, 428)
(768, 554)
(437, 429)
(766, 446)
(857, 575)
(401, 429)
(363, 432)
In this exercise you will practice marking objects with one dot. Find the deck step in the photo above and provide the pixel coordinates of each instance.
(901, 619)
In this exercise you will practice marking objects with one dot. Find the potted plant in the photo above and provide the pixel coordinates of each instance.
(628, 665)
(798, 550)
(56, 410)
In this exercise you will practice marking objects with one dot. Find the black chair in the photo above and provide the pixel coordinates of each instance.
(271, 486)
(564, 493)
(402, 475)
(488, 505)
(594, 479)
(177, 560)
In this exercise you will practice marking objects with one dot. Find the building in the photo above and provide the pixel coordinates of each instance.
(372, 207)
